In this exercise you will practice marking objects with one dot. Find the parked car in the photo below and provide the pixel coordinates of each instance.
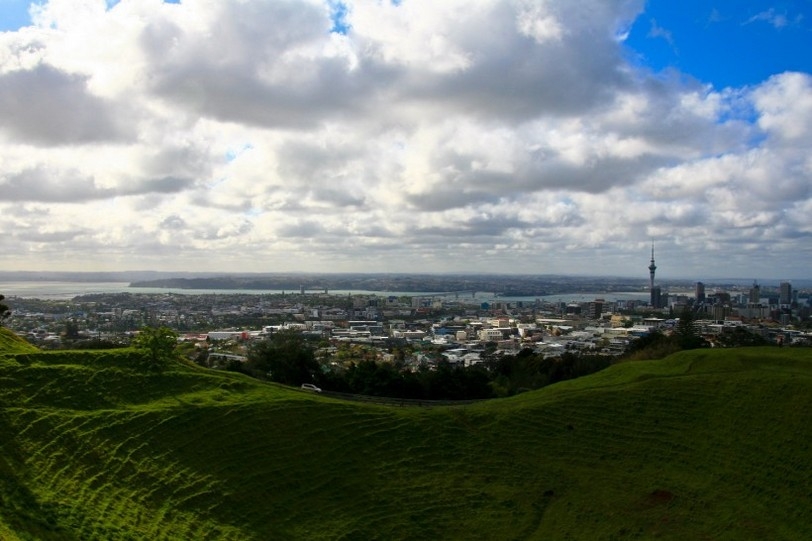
(310, 387)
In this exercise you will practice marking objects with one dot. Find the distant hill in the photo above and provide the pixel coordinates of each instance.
(507, 285)
(703, 445)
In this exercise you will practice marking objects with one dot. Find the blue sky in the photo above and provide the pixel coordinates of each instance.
(729, 43)
(520, 136)
(14, 14)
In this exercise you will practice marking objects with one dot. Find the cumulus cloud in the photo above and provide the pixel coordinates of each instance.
(784, 104)
(501, 135)
(46, 106)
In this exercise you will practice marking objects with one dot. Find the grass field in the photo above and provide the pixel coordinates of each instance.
(710, 444)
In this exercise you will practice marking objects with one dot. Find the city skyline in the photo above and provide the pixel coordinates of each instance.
(507, 137)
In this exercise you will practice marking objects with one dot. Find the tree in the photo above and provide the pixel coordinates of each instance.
(654, 345)
(159, 345)
(5, 311)
(740, 337)
(286, 357)
(71, 330)
(686, 334)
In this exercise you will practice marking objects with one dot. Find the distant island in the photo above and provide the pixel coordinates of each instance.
(502, 285)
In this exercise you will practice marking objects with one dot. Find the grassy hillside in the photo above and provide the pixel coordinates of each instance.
(11, 343)
(702, 445)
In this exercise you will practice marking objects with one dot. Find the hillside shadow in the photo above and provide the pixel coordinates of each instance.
(20, 509)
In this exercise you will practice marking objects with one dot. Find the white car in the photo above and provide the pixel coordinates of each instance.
(310, 387)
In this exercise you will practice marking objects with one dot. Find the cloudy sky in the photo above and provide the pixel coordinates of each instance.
(514, 136)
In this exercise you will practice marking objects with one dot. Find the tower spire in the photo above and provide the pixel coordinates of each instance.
(652, 268)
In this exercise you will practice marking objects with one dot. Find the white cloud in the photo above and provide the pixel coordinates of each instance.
(502, 135)
(656, 31)
(784, 104)
(774, 18)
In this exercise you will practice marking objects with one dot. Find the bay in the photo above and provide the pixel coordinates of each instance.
(62, 290)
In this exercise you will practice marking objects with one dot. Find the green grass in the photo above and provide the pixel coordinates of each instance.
(10, 343)
(701, 445)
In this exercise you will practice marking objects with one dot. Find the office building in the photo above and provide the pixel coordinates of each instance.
(755, 294)
(700, 292)
(785, 294)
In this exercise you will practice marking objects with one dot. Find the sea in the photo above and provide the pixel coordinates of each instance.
(59, 290)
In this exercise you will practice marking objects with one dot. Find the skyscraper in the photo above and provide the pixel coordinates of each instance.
(656, 297)
(755, 294)
(785, 293)
(700, 292)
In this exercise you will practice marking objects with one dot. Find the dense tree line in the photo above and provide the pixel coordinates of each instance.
(4, 309)
(516, 373)
(657, 345)
(442, 381)
(740, 337)
(288, 357)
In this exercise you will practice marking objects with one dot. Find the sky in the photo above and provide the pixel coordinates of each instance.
(489, 136)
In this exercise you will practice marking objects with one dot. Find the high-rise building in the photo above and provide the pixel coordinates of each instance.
(656, 297)
(755, 294)
(594, 309)
(700, 292)
(720, 311)
(785, 293)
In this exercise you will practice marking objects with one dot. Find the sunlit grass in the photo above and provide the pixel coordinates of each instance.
(11, 343)
(709, 444)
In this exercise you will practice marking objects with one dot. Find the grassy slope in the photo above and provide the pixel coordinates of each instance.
(11, 343)
(711, 444)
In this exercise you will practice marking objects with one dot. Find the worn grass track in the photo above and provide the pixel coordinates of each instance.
(702, 445)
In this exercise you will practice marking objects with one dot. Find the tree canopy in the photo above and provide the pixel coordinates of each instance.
(686, 334)
(5, 311)
(286, 357)
(159, 345)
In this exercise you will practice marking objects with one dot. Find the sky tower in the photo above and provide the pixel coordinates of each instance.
(656, 293)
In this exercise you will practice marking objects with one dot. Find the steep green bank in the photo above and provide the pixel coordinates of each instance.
(708, 444)
(10, 343)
